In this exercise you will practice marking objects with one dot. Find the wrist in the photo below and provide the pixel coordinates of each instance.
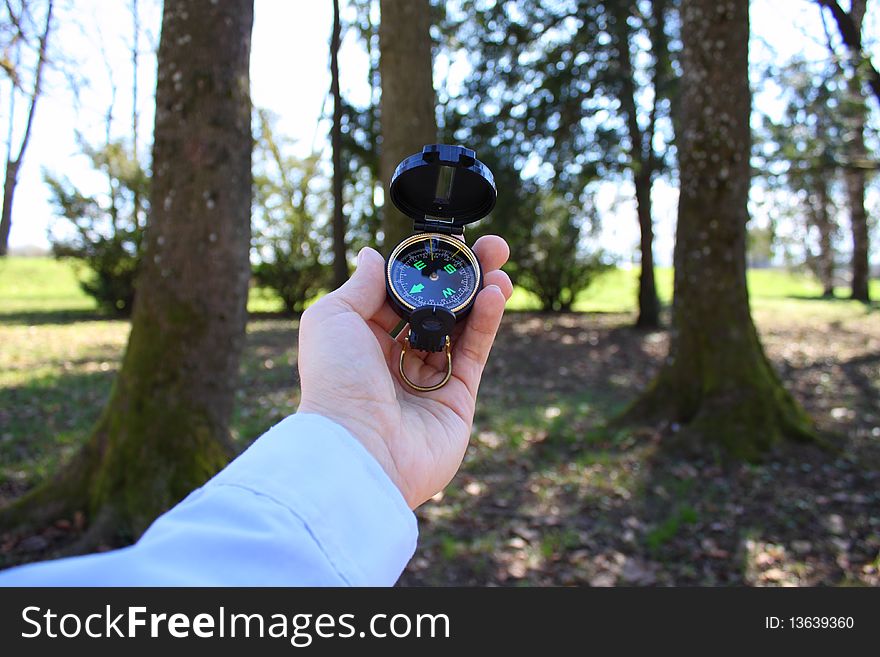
(370, 438)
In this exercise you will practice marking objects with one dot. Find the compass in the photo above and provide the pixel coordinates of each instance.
(432, 277)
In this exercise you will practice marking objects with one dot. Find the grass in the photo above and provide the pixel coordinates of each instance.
(45, 285)
(40, 284)
(544, 496)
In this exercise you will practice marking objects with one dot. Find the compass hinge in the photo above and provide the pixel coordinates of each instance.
(437, 225)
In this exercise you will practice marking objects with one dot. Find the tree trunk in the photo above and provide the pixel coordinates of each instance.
(340, 265)
(14, 164)
(9, 184)
(135, 113)
(407, 104)
(649, 304)
(855, 187)
(641, 157)
(822, 220)
(717, 384)
(165, 428)
(855, 176)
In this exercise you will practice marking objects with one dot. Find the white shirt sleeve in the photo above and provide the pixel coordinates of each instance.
(305, 505)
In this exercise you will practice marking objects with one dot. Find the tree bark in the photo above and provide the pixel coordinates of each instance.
(165, 428)
(642, 159)
(855, 176)
(717, 384)
(9, 183)
(135, 112)
(14, 164)
(823, 222)
(649, 304)
(407, 105)
(340, 264)
(855, 187)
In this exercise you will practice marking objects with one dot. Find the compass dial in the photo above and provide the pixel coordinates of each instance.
(432, 269)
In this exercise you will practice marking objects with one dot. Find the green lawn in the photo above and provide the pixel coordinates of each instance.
(45, 285)
(40, 285)
(617, 290)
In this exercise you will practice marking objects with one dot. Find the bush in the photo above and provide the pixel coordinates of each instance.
(107, 229)
(295, 279)
(289, 196)
(553, 263)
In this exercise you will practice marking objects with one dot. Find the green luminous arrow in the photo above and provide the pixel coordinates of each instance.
(418, 287)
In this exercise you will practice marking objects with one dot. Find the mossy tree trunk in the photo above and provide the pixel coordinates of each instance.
(165, 428)
(717, 383)
(407, 105)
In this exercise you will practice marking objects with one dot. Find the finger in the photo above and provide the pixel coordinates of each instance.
(364, 292)
(472, 349)
(386, 318)
(492, 252)
(502, 280)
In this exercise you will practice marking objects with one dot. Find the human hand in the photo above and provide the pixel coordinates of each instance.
(348, 368)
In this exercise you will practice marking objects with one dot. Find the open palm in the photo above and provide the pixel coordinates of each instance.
(348, 366)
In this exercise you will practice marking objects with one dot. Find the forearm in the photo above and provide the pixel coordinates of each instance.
(304, 505)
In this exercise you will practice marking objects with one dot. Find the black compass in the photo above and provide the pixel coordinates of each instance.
(433, 277)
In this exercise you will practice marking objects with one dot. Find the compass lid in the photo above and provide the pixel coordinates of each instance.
(443, 188)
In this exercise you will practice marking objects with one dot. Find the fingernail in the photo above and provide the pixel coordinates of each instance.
(361, 256)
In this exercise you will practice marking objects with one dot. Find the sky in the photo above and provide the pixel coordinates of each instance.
(290, 77)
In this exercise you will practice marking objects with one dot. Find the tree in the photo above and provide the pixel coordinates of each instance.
(849, 25)
(108, 227)
(860, 69)
(407, 104)
(717, 382)
(164, 430)
(340, 264)
(361, 132)
(584, 90)
(108, 236)
(802, 153)
(644, 160)
(554, 265)
(288, 199)
(13, 163)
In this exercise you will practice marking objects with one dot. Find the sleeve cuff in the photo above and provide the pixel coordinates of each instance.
(319, 471)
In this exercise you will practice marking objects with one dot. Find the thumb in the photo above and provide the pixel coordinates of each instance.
(364, 292)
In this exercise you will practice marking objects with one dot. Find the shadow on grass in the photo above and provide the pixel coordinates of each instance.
(43, 317)
(601, 508)
(548, 496)
(45, 418)
(873, 305)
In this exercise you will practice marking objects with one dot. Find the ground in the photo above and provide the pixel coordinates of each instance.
(545, 495)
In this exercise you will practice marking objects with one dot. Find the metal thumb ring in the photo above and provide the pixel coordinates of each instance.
(436, 386)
